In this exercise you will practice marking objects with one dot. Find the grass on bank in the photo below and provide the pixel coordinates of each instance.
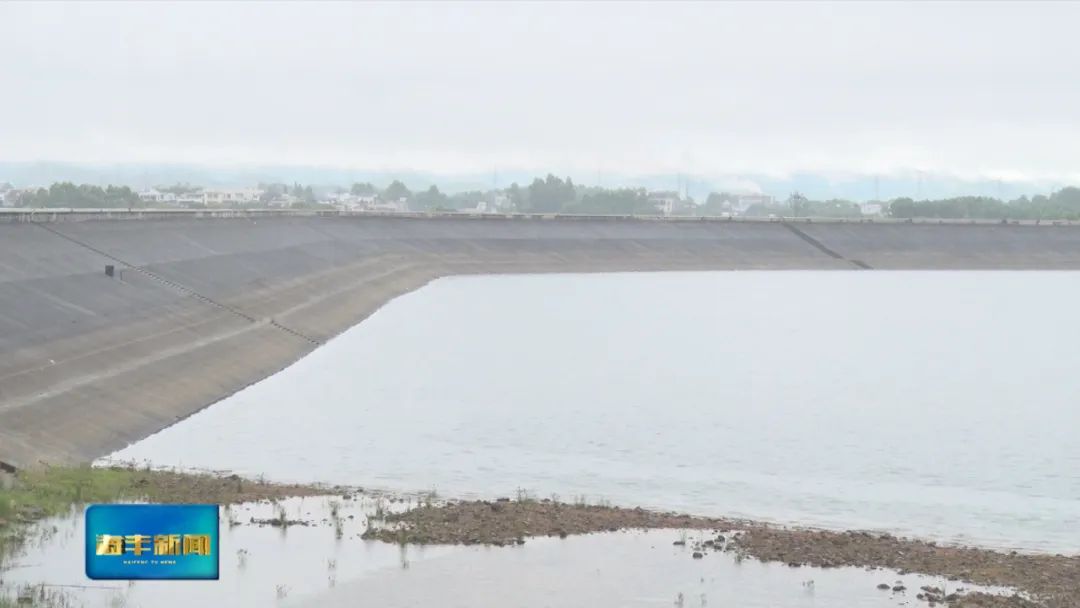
(43, 492)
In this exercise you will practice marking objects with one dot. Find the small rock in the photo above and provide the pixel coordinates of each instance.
(698, 555)
(884, 586)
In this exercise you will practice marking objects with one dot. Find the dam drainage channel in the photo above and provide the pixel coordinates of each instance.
(861, 265)
(177, 286)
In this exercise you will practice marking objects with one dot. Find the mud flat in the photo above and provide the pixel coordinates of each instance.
(1052, 581)
(309, 551)
(199, 307)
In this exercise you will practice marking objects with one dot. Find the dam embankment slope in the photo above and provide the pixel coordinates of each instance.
(199, 307)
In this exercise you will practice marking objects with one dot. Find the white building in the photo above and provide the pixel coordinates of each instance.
(347, 201)
(232, 197)
(744, 202)
(283, 201)
(354, 202)
(191, 198)
(872, 208)
(398, 206)
(11, 198)
(480, 207)
(664, 202)
(153, 195)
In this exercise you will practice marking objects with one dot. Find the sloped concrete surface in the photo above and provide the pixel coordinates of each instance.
(201, 307)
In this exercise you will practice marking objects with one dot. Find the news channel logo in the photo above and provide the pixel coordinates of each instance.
(152, 542)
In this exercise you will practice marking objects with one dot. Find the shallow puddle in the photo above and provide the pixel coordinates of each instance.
(260, 565)
(631, 568)
(326, 563)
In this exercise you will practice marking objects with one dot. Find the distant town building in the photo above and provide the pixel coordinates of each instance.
(346, 201)
(743, 202)
(283, 201)
(8, 195)
(153, 195)
(664, 202)
(480, 207)
(14, 197)
(240, 196)
(396, 206)
(872, 208)
(686, 206)
(190, 199)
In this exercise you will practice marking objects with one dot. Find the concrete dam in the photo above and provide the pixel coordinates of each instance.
(200, 305)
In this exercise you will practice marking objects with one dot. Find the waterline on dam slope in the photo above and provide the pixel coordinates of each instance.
(925, 403)
(90, 363)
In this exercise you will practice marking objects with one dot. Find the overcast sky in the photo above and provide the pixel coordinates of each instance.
(965, 89)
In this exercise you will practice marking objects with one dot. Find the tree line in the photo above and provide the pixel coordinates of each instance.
(1063, 204)
(67, 194)
(553, 194)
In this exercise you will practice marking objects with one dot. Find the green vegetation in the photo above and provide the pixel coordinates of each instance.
(1063, 204)
(431, 199)
(54, 490)
(796, 205)
(623, 201)
(551, 194)
(363, 189)
(39, 493)
(67, 194)
(396, 191)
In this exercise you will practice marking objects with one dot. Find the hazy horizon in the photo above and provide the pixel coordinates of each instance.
(738, 96)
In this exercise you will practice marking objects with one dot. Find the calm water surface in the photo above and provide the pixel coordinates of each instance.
(941, 404)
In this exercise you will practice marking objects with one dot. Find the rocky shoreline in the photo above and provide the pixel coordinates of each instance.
(1048, 581)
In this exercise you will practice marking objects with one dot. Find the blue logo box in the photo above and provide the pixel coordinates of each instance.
(152, 542)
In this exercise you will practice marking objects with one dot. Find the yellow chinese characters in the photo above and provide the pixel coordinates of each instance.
(167, 544)
(137, 544)
(163, 544)
(110, 544)
(196, 544)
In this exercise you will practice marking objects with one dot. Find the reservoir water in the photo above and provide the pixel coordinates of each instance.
(936, 404)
